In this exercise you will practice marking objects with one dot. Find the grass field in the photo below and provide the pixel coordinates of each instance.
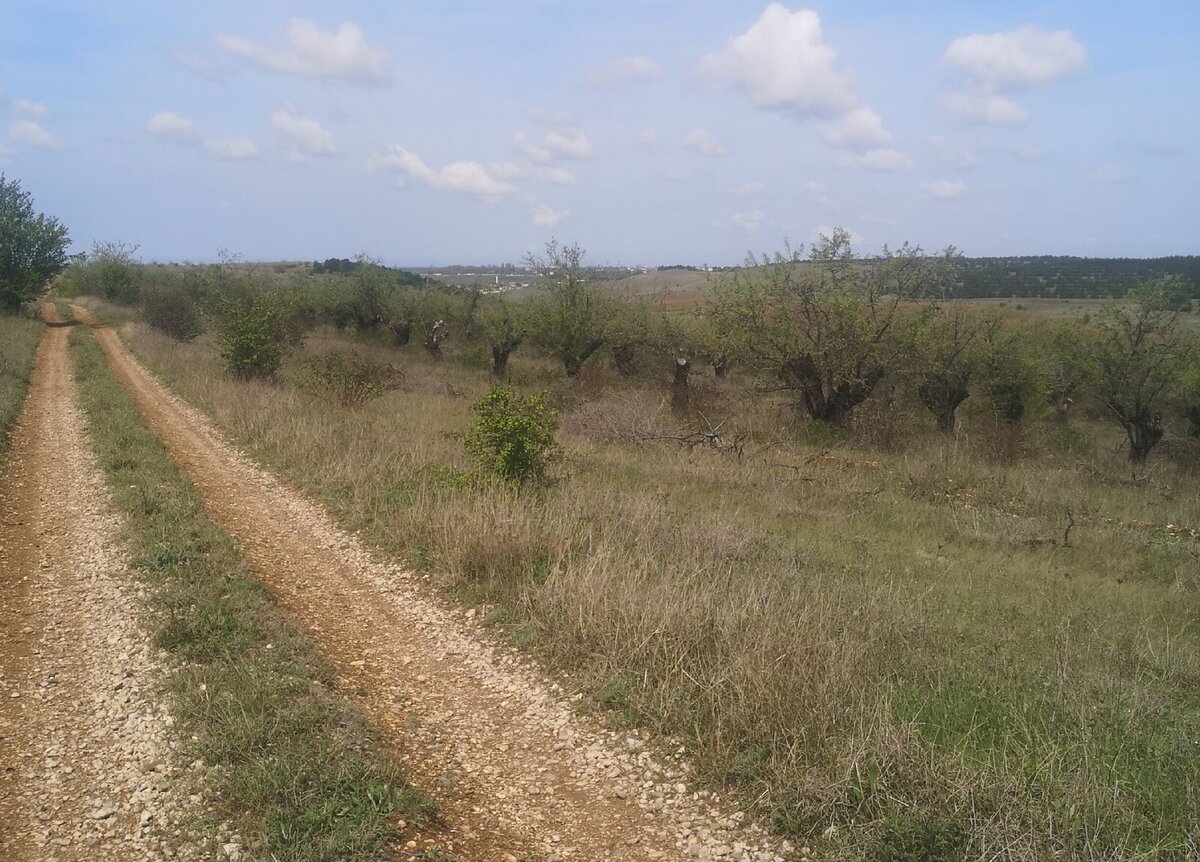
(292, 769)
(896, 654)
(18, 343)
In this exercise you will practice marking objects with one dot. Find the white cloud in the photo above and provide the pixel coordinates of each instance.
(1019, 59)
(545, 216)
(233, 149)
(309, 53)
(879, 159)
(626, 69)
(959, 157)
(25, 108)
(750, 222)
(649, 137)
(998, 63)
(944, 189)
(859, 127)
(980, 106)
(704, 143)
(814, 186)
(29, 132)
(168, 124)
(747, 190)
(783, 63)
(571, 144)
(469, 177)
(556, 144)
(302, 135)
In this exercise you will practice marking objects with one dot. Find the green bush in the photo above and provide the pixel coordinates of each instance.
(172, 312)
(514, 435)
(349, 379)
(256, 330)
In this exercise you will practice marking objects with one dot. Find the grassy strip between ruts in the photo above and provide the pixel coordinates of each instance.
(299, 773)
(18, 344)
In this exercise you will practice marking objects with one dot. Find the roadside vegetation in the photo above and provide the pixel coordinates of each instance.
(292, 768)
(919, 577)
(18, 343)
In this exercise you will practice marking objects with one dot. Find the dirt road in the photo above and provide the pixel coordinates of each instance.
(517, 772)
(85, 762)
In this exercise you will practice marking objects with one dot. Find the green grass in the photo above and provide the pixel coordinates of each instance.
(891, 641)
(18, 343)
(299, 773)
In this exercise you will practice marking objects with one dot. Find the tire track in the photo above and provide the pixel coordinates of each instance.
(85, 747)
(518, 774)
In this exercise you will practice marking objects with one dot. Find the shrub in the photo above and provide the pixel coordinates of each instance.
(514, 435)
(172, 312)
(256, 330)
(349, 379)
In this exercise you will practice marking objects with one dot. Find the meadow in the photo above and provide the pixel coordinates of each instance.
(894, 644)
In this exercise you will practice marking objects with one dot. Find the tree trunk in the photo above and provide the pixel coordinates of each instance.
(942, 394)
(500, 354)
(401, 332)
(1144, 431)
(720, 365)
(830, 403)
(623, 358)
(680, 394)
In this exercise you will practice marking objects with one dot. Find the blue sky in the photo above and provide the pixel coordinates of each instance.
(649, 132)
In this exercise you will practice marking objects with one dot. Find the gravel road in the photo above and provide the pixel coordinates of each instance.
(89, 766)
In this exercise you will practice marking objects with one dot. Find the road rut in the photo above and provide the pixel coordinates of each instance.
(518, 774)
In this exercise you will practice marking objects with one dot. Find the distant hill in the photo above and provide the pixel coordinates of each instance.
(1054, 277)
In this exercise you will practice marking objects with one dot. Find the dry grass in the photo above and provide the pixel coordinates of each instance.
(897, 644)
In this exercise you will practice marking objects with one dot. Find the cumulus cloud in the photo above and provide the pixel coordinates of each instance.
(704, 143)
(944, 189)
(25, 108)
(469, 177)
(750, 222)
(29, 132)
(626, 69)
(859, 127)
(999, 63)
(879, 159)
(303, 136)
(748, 190)
(307, 52)
(167, 124)
(555, 144)
(648, 137)
(979, 106)
(232, 149)
(784, 64)
(546, 216)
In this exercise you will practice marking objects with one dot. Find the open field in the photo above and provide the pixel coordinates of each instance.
(885, 649)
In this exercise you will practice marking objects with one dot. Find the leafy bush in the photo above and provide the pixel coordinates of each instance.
(172, 312)
(112, 272)
(350, 379)
(514, 435)
(256, 330)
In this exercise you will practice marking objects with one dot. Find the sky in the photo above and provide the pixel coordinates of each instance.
(649, 132)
